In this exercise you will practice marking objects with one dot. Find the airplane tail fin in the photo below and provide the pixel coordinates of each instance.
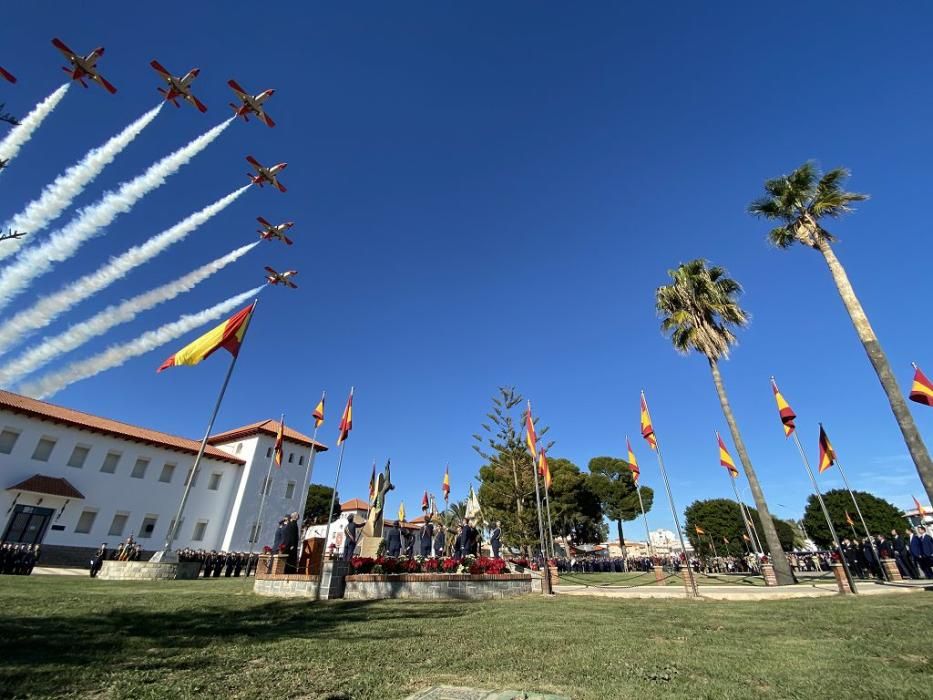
(238, 111)
(256, 180)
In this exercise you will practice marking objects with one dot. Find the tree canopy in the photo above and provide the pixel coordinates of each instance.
(881, 516)
(576, 510)
(318, 502)
(612, 481)
(721, 518)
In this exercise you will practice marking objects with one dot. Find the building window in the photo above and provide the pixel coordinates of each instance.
(301, 460)
(168, 471)
(78, 456)
(8, 440)
(149, 523)
(85, 522)
(254, 533)
(239, 448)
(110, 463)
(194, 481)
(214, 482)
(269, 453)
(200, 528)
(291, 457)
(118, 524)
(139, 469)
(289, 490)
(266, 485)
(43, 449)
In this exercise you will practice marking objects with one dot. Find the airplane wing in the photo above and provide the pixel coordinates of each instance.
(160, 69)
(266, 119)
(196, 102)
(263, 221)
(7, 75)
(271, 271)
(255, 163)
(103, 81)
(291, 284)
(241, 93)
(280, 186)
(60, 45)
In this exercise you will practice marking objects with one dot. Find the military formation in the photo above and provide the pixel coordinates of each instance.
(216, 564)
(18, 559)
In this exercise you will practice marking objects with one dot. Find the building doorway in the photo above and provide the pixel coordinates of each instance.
(28, 524)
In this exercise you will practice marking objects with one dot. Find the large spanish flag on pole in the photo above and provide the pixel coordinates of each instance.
(920, 510)
(725, 459)
(647, 429)
(632, 462)
(827, 453)
(445, 487)
(346, 421)
(921, 390)
(228, 335)
(279, 442)
(543, 469)
(318, 414)
(784, 410)
(531, 438)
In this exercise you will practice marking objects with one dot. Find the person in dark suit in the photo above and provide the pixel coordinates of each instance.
(349, 538)
(925, 550)
(279, 536)
(290, 540)
(98, 560)
(469, 538)
(458, 543)
(427, 537)
(393, 540)
(440, 541)
(408, 542)
(495, 539)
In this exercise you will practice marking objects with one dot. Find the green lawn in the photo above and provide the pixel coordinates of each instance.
(213, 639)
(629, 579)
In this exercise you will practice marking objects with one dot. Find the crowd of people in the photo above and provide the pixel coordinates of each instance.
(215, 564)
(428, 541)
(911, 551)
(18, 559)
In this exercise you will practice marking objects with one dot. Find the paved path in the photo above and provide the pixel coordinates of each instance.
(449, 692)
(56, 571)
(726, 592)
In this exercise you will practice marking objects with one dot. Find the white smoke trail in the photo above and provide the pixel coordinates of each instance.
(58, 196)
(47, 309)
(114, 315)
(116, 355)
(19, 135)
(37, 260)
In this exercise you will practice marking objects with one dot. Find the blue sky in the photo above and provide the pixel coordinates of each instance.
(488, 194)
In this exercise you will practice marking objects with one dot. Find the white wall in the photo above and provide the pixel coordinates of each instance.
(118, 492)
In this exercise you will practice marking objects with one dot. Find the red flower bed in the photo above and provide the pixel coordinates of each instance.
(447, 565)
(486, 565)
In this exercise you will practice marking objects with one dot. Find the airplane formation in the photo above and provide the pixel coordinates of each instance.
(83, 68)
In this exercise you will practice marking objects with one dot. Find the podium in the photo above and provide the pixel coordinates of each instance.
(312, 553)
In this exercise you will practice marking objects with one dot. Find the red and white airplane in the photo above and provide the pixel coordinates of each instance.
(178, 87)
(265, 174)
(281, 277)
(83, 66)
(7, 75)
(270, 231)
(252, 104)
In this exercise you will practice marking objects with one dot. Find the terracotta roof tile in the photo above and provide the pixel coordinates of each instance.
(105, 426)
(267, 427)
(50, 485)
(354, 504)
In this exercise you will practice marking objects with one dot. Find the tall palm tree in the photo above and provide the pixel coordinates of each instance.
(698, 309)
(799, 201)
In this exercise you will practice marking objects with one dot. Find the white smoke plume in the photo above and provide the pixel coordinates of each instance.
(112, 316)
(19, 135)
(62, 244)
(59, 195)
(116, 355)
(47, 309)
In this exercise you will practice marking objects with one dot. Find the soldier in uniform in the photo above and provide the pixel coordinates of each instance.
(440, 541)
(393, 540)
(427, 536)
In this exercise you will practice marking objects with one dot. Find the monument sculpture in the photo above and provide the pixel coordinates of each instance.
(372, 530)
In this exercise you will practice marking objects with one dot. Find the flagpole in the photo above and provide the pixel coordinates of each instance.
(644, 517)
(164, 554)
(550, 528)
(265, 490)
(858, 510)
(829, 522)
(310, 470)
(333, 497)
(751, 521)
(748, 529)
(546, 573)
(670, 499)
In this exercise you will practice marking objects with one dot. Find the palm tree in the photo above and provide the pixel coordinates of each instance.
(699, 310)
(799, 201)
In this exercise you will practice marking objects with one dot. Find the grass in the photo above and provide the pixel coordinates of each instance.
(214, 639)
(628, 579)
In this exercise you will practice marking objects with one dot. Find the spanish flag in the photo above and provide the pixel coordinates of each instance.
(401, 512)
(699, 530)
(530, 437)
(543, 469)
(632, 462)
(827, 453)
(920, 510)
(647, 430)
(346, 421)
(787, 414)
(425, 503)
(445, 487)
(922, 389)
(277, 448)
(849, 520)
(372, 484)
(228, 335)
(318, 414)
(725, 459)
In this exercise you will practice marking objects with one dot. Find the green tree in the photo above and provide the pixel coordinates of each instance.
(576, 511)
(318, 502)
(611, 479)
(507, 488)
(721, 519)
(800, 201)
(699, 309)
(880, 515)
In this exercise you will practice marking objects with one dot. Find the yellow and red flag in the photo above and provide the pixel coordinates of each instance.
(921, 390)
(647, 429)
(543, 469)
(401, 512)
(425, 503)
(849, 520)
(372, 484)
(699, 530)
(318, 414)
(445, 487)
(787, 414)
(279, 443)
(228, 335)
(920, 510)
(531, 439)
(725, 459)
(346, 421)
(632, 462)
(827, 453)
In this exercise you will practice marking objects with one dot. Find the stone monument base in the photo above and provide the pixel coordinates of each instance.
(436, 586)
(148, 571)
(281, 585)
(370, 546)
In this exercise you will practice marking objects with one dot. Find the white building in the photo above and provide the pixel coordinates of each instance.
(70, 481)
